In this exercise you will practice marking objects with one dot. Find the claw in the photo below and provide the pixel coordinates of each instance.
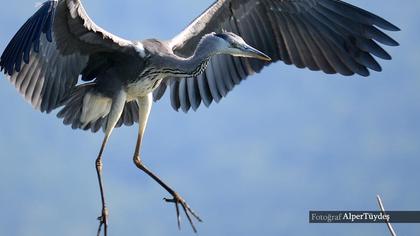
(187, 210)
(176, 198)
(103, 222)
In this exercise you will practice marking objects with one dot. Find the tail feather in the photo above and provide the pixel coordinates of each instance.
(82, 110)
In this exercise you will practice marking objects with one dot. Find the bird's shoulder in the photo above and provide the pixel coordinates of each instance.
(156, 47)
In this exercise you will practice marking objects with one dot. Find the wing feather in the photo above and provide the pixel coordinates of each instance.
(204, 89)
(328, 35)
(193, 93)
(46, 56)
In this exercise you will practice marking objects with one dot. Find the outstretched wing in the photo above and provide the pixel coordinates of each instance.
(49, 52)
(327, 35)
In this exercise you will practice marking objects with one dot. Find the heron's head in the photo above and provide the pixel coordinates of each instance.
(236, 46)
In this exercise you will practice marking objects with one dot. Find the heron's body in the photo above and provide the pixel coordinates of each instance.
(202, 64)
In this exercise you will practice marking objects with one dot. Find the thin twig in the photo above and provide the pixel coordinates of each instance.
(381, 205)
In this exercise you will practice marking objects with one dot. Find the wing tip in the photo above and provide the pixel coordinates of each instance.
(386, 25)
(26, 38)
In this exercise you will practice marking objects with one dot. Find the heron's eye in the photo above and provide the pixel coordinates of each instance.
(235, 45)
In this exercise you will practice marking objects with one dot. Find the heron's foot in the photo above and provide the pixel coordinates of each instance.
(103, 221)
(177, 200)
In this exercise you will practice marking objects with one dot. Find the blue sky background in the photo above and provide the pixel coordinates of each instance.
(284, 142)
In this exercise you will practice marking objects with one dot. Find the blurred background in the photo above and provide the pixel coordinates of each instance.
(284, 142)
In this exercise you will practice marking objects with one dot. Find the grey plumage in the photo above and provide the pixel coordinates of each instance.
(44, 61)
(120, 78)
(72, 111)
(327, 35)
(59, 42)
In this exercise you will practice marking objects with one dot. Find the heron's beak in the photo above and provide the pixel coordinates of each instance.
(254, 53)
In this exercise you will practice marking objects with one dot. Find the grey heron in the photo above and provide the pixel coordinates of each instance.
(202, 64)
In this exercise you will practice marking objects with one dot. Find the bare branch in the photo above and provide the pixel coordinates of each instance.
(381, 205)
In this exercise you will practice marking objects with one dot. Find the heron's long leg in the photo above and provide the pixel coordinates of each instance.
(176, 199)
(145, 105)
(118, 103)
(104, 215)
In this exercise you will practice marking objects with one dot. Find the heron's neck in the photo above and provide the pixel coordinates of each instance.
(197, 63)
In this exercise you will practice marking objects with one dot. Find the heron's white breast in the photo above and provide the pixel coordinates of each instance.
(143, 87)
